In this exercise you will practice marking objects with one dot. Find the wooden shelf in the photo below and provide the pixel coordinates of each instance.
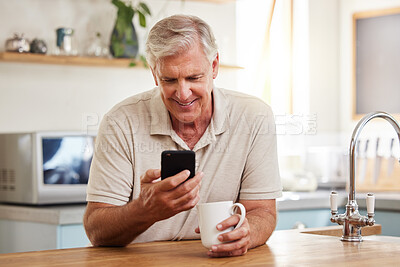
(66, 60)
(76, 60)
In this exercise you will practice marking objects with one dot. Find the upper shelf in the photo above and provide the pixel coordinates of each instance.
(66, 60)
(76, 60)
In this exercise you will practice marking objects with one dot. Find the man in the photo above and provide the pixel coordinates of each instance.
(231, 133)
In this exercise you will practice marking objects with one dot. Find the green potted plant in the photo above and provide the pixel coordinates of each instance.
(124, 42)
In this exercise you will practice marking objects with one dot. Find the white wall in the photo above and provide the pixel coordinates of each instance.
(40, 18)
(316, 78)
(43, 97)
(324, 63)
(347, 9)
(53, 97)
(326, 30)
(252, 18)
(376, 128)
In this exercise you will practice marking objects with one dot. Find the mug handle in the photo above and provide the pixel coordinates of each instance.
(242, 213)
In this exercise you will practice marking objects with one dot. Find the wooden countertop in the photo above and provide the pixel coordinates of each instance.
(285, 248)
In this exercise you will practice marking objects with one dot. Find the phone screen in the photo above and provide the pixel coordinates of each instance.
(175, 161)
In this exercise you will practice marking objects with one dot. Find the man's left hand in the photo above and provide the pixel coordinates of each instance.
(235, 243)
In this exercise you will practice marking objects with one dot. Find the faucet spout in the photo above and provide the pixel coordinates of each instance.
(353, 142)
(351, 220)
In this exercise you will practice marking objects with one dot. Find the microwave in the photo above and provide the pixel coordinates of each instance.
(43, 168)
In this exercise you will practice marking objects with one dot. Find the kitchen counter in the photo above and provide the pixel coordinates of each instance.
(58, 215)
(73, 214)
(61, 226)
(284, 248)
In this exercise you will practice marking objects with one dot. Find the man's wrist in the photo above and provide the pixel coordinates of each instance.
(143, 216)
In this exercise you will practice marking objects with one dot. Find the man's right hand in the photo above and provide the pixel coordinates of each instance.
(163, 199)
(110, 225)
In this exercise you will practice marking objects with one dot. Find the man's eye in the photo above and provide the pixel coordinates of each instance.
(194, 78)
(169, 80)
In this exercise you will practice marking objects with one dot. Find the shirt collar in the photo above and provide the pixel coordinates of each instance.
(161, 122)
(220, 120)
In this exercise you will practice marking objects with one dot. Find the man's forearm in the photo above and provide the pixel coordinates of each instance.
(116, 225)
(262, 224)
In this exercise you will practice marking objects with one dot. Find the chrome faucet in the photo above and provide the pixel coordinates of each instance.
(351, 220)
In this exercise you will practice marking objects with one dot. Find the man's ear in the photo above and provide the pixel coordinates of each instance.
(215, 66)
(154, 76)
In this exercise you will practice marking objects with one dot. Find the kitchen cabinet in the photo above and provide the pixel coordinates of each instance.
(289, 219)
(389, 219)
(29, 228)
(17, 236)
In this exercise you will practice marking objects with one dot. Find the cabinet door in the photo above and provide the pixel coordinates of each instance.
(72, 236)
(19, 236)
(388, 219)
(289, 219)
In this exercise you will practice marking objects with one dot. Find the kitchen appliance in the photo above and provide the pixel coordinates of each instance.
(45, 167)
(329, 164)
(293, 175)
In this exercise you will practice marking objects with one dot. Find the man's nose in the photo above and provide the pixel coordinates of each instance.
(183, 91)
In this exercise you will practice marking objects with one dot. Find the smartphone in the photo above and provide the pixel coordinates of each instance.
(175, 161)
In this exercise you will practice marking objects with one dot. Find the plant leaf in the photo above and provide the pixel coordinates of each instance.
(131, 42)
(118, 49)
(119, 4)
(128, 34)
(144, 61)
(120, 28)
(131, 12)
(145, 8)
(142, 19)
(132, 64)
(125, 13)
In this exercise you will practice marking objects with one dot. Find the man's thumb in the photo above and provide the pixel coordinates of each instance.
(151, 175)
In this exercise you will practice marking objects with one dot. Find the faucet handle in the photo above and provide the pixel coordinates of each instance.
(370, 204)
(333, 200)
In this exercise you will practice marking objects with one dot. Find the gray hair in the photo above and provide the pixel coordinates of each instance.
(177, 34)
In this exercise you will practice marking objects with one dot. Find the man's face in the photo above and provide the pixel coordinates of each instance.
(186, 83)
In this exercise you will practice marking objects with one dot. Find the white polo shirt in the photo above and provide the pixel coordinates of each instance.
(237, 154)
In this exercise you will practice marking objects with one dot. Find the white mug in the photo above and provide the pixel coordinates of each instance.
(211, 214)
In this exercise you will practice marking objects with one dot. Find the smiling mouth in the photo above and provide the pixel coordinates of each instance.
(185, 104)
